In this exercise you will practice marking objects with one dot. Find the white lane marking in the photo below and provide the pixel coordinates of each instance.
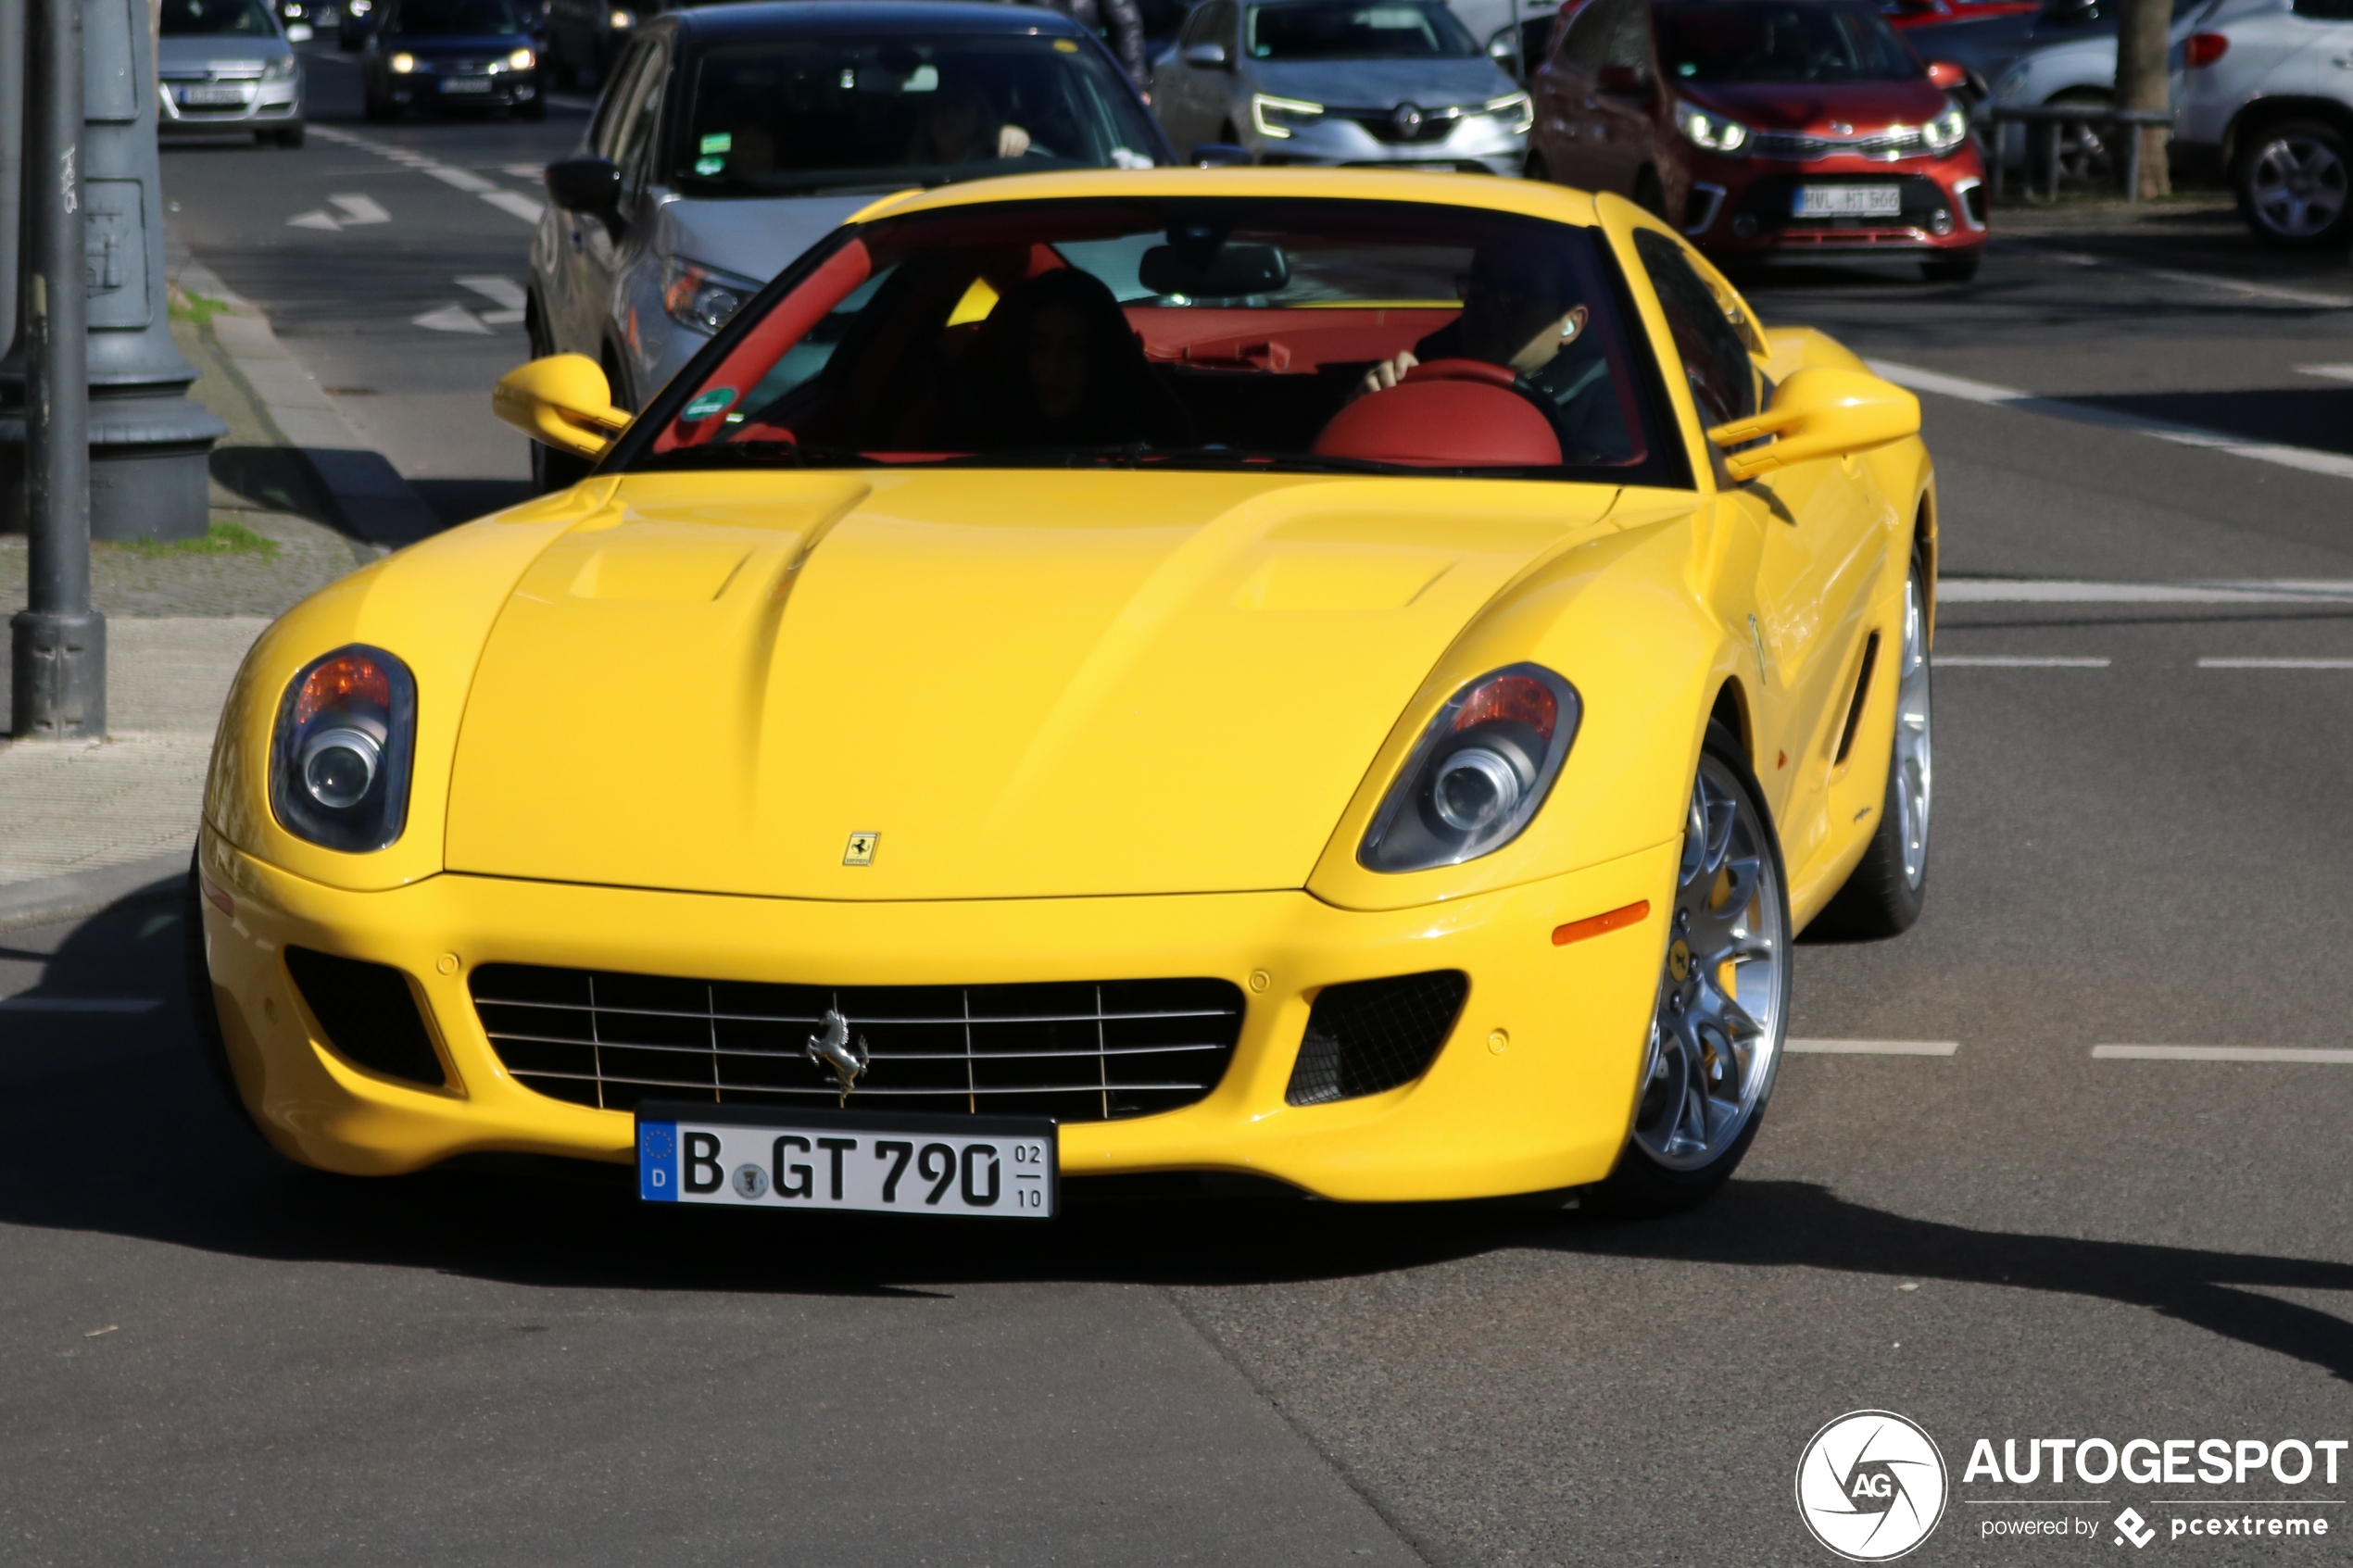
(79, 1004)
(2275, 664)
(2223, 1053)
(2335, 464)
(318, 217)
(532, 171)
(358, 209)
(2013, 661)
(450, 319)
(2049, 590)
(1872, 1048)
(505, 292)
(522, 207)
(2209, 279)
(463, 179)
(2330, 373)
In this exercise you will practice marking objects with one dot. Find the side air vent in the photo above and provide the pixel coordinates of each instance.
(1374, 1035)
(1862, 690)
(369, 1015)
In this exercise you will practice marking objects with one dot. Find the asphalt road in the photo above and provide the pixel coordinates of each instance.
(213, 1358)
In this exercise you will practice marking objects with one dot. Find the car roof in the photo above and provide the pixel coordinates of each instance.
(886, 18)
(1557, 204)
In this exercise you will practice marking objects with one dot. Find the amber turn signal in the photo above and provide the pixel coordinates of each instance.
(1597, 926)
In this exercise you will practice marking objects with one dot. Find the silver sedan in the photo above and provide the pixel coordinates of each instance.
(225, 67)
(1342, 81)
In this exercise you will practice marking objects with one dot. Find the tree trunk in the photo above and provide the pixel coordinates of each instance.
(2142, 45)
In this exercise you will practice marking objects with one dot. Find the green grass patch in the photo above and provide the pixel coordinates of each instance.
(223, 537)
(195, 307)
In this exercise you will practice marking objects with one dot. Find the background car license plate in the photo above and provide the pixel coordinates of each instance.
(465, 84)
(1002, 1167)
(212, 94)
(1848, 201)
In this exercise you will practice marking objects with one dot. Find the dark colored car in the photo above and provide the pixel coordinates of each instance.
(436, 55)
(1986, 43)
(586, 36)
(1763, 127)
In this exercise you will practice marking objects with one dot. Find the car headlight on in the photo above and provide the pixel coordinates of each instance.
(1517, 110)
(702, 297)
(360, 7)
(1947, 131)
(1477, 775)
(403, 63)
(1714, 132)
(339, 759)
(1279, 118)
(620, 20)
(280, 70)
(522, 59)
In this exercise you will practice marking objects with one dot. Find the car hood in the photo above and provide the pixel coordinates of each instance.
(1382, 84)
(442, 45)
(752, 237)
(189, 52)
(1816, 105)
(1028, 684)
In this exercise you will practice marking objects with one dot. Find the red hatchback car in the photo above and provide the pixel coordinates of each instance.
(1765, 127)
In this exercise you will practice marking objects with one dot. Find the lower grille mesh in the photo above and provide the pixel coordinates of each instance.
(1374, 1035)
(1084, 1051)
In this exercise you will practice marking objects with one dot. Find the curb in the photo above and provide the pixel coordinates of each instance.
(375, 504)
(47, 901)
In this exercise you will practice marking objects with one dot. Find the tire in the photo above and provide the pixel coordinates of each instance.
(1883, 896)
(376, 110)
(2292, 181)
(292, 139)
(550, 470)
(2085, 156)
(1957, 267)
(534, 110)
(1731, 915)
(1649, 195)
(204, 1008)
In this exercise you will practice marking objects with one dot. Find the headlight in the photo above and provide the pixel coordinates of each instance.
(1279, 118)
(1712, 132)
(620, 20)
(702, 297)
(279, 70)
(522, 59)
(360, 7)
(1945, 132)
(403, 63)
(339, 759)
(1477, 774)
(1517, 107)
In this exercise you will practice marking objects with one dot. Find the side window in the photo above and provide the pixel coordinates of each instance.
(2325, 10)
(604, 133)
(640, 122)
(1716, 362)
(1196, 26)
(1588, 37)
(1629, 38)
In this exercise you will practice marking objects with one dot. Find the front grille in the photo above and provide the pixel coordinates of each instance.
(1902, 141)
(1435, 125)
(1084, 1051)
(1369, 1036)
(367, 1013)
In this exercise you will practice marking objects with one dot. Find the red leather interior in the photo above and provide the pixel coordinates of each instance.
(1442, 423)
(1293, 341)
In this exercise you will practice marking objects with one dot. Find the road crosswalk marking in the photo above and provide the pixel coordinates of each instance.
(2055, 590)
(2275, 664)
(79, 1004)
(528, 208)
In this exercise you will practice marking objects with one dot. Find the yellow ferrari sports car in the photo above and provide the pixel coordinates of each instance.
(1344, 678)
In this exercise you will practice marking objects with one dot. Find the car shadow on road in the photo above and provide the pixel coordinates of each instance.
(109, 1124)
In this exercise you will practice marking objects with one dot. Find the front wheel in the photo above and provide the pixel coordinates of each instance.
(1723, 999)
(2292, 185)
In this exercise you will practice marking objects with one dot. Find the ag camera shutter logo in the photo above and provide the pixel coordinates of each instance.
(1872, 1485)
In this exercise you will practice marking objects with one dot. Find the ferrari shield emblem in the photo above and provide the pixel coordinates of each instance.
(861, 849)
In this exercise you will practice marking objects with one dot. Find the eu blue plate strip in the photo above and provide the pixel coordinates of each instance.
(657, 1161)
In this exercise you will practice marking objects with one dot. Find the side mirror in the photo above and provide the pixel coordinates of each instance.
(1218, 155)
(562, 401)
(584, 184)
(1947, 75)
(1209, 56)
(1821, 412)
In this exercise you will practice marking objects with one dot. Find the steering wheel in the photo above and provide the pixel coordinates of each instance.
(1502, 376)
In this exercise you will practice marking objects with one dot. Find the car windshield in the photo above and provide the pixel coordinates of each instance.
(1183, 332)
(1319, 29)
(216, 19)
(791, 117)
(455, 19)
(1801, 42)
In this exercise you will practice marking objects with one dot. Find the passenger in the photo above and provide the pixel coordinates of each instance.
(1062, 368)
(1520, 310)
(959, 126)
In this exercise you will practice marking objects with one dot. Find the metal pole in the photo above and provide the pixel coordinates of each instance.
(58, 642)
(2131, 135)
(12, 81)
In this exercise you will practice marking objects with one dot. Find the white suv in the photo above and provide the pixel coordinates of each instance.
(2268, 91)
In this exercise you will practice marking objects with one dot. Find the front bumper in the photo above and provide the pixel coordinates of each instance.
(265, 105)
(1532, 1091)
(1742, 206)
(1475, 145)
(428, 89)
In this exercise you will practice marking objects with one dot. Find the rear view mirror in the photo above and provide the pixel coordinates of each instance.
(1821, 412)
(562, 401)
(1947, 75)
(1209, 56)
(1233, 269)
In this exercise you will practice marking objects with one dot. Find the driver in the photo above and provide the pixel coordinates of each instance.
(1520, 310)
(959, 126)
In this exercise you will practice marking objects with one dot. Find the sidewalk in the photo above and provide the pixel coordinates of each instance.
(297, 500)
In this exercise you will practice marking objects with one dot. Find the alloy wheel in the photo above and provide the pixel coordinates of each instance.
(2297, 187)
(1716, 1033)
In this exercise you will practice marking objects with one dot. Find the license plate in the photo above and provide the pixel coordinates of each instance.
(465, 84)
(1848, 201)
(1001, 1167)
(212, 94)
